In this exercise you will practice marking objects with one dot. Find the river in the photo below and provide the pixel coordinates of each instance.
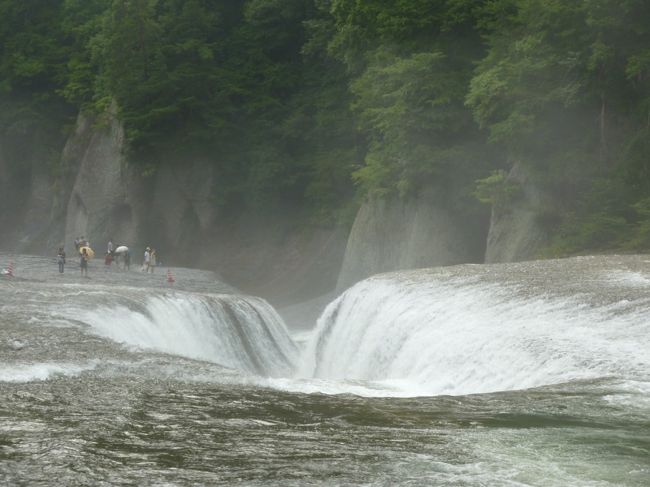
(529, 374)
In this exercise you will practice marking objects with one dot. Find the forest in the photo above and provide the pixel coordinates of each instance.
(320, 103)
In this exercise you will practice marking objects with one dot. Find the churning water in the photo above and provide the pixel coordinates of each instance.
(523, 374)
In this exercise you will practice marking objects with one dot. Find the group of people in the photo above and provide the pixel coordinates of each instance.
(83, 260)
(113, 254)
(83, 248)
(150, 260)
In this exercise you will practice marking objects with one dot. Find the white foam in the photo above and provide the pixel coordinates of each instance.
(41, 371)
(335, 387)
(631, 395)
(627, 278)
(243, 333)
(23, 426)
(451, 338)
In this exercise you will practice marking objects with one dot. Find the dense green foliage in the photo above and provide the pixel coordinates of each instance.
(299, 102)
(564, 88)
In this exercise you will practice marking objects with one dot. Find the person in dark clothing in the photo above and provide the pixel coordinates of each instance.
(83, 263)
(60, 258)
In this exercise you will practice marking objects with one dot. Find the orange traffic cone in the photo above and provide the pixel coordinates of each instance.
(170, 278)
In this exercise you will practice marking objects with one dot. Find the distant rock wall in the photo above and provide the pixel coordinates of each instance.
(100, 195)
(517, 230)
(182, 211)
(106, 197)
(272, 256)
(175, 212)
(391, 234)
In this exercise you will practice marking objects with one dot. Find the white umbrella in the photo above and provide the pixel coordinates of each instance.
(122, 249)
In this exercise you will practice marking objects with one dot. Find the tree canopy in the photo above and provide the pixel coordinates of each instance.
(316, 102)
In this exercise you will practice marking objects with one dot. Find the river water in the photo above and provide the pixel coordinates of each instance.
(530, 374)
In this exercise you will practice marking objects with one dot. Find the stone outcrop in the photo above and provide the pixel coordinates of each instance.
(391, 234)
(518, 229)
(106, 198)
(174, 211)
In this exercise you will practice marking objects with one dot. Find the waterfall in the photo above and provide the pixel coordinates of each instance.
(437, 334)
(240, 332)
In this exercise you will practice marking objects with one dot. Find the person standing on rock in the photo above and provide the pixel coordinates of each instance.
(152, 260)
(147, 259)
(83, 262)
(60, 258)
(108, 260)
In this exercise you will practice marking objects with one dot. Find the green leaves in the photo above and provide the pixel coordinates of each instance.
(296, 101)
(496, 189)
(406, 105)
(410, 64)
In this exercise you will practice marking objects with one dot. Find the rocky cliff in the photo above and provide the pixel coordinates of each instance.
(518, 229)
(392, 234)
(174, 210)
(99, 194)
(107, 197)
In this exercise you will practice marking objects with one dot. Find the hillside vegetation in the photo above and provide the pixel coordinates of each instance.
(317, 103)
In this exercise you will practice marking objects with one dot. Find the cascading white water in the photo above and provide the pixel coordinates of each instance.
(441, 335)
(241, 332)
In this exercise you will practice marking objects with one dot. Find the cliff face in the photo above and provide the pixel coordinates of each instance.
(106, 197)
(182, 212)
(98, 194)
(263, 252)
(271, 256)
(517, 230)
(392, 234)
(175, 212)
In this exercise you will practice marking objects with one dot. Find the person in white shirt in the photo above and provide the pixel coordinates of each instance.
(147, 259)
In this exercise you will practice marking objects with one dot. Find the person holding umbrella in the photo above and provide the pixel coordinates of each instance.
(83, 262)
(123, 251)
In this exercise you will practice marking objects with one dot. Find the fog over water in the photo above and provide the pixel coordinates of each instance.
(535, 373)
